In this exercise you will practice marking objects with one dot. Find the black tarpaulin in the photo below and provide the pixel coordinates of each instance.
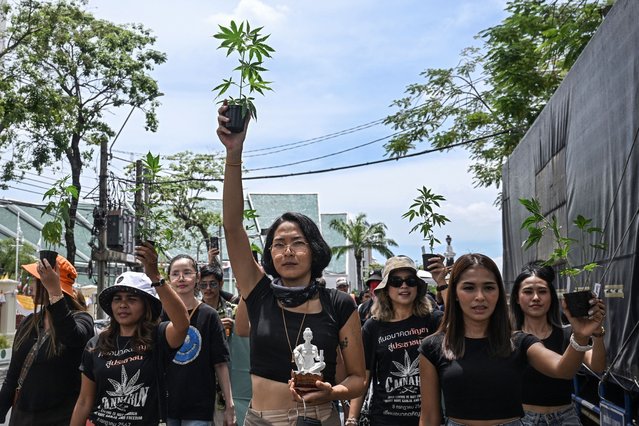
(581, 156)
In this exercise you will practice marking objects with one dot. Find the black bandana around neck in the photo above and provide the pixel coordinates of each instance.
(291, 297)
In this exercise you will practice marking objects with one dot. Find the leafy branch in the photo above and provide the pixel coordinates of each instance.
(251, 47)
(538, 225)
(423, 208)
(58, 206)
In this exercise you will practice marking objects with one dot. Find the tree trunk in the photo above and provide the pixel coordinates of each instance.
(358, 260)
(75, 160)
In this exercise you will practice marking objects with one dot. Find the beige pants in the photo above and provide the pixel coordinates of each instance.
(325, 412)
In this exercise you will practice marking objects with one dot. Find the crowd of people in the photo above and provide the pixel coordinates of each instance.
(398, 355)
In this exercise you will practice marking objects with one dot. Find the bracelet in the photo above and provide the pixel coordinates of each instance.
(233, 164)
(601, 333)
(579, 348)
(442, 287)
(54, 299)
(351, 421)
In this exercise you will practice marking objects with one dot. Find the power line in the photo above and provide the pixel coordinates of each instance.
(300, 144)
(333, 169)
(327, 155)
(385, 160)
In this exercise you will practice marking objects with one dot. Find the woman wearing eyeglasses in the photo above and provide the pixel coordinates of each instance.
(402, 316)
(191, 376)
(279, 310)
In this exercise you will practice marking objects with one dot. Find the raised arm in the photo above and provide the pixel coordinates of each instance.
(247, 271)
(171, 303)
(566, 366)
(72, 329)
(595, 359)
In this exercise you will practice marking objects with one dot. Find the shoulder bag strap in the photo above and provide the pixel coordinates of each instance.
(33, 352)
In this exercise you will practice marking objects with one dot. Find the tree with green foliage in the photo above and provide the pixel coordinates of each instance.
(495, 92)
(185, 190)
(68, 75)
(26, 255)
(360, 236)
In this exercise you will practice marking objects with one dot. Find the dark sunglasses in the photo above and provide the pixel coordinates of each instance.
(204, 285)
(398, 281)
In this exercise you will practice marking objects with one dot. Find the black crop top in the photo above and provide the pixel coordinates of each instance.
(545, 391)
(270, 352)
(478, 386)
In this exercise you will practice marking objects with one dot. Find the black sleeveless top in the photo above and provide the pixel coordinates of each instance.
(271, 355)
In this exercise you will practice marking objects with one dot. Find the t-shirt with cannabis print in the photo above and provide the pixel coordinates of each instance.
(127, 385)
(396, 370)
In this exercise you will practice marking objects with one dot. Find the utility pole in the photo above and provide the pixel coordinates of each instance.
(18, 242)
(101, 258)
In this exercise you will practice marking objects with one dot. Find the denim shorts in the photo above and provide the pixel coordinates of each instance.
(517, 422)
(567, 417)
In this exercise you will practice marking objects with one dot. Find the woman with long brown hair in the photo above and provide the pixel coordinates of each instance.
(43, 380)
(476, 361)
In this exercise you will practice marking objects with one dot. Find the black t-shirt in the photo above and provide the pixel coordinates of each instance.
(191, 374)
(127, 382)
(393, 349)
(270, 351)
(51, 380)
(478, 386)
(364, 310)
(542, 390)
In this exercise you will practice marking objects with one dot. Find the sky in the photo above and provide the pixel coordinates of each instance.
(337, 65)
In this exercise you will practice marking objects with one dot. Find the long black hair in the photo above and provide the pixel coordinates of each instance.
(320, 251)
(36, 322)
(535, 269)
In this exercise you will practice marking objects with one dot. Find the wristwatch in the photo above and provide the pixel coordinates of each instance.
(158, 283)
(442, 287)
(600, 333)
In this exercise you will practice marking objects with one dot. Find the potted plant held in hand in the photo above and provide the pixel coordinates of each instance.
(538, 225)
(251, 49)
(59, 197)
(423, 208)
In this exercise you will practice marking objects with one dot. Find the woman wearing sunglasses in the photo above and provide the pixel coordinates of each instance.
(191, 376)
(402, 316)
(281, 308)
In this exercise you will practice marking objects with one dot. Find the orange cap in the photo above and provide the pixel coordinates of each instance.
(68, 274)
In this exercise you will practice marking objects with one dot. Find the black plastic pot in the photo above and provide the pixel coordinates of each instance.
(50, 255)
(236, 123)
(578, 302)
(139, 242)
(425, 259)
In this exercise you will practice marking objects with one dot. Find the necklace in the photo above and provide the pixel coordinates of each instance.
(193, 311)
(117, 342)
(297, 339)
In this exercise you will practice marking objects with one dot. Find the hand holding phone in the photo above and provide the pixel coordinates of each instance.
(214, 243)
